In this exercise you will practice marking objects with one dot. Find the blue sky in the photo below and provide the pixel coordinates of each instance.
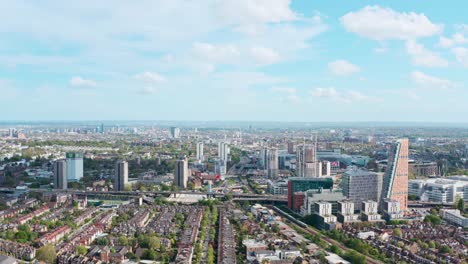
(259, 60)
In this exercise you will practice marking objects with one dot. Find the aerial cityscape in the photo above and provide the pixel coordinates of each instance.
(233, 131)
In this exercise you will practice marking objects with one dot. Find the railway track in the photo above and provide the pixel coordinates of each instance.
(301, 226)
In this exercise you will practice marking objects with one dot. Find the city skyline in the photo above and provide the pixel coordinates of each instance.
(272, 60)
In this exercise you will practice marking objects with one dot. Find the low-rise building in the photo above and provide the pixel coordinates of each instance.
(454, 217)
(346, 212)
(369, 211)
(391, 209)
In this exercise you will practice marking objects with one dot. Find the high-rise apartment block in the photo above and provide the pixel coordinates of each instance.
(395, 183)
(306, 162)
(272, 163)
(290, 147)
(175, 132)
(181, 173)
(200, 151)
(60, 174)
(74, 166)
(223, 151)
(121, 175)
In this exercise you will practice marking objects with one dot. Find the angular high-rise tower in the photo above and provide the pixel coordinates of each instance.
(395, 183)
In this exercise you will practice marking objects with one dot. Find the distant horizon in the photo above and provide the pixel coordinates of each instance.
(240, 122)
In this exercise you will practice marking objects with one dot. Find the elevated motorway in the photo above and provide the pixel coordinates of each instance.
(235, 196)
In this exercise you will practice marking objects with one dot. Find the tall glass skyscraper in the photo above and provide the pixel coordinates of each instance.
(74, 166)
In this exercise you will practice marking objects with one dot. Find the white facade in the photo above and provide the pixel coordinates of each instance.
(74, 166)
(272, 163)
(392, 209)
(442, 190)
(175, 132)
(369, 211)
(200, 151)
(278, 188)
(454, 217)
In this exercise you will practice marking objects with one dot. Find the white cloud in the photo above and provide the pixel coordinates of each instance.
(216, 53)
(380, 23)
(461, 54)
(420, 56)
(348, 97)
(257, 11)
(78, 81)
(289, 95)
(428, 81)
(380, 50)
(149, 77)
(324, 92)
(292, 98)
(287, 90)
(343, 67)
(147, 90)
(456, 39)
(264, 55)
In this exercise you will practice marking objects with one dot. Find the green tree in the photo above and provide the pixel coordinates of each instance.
(397, 232)
(46, 254)
(445, 249)
(460, 205)
(81, 250)
(154, 242)
(210, 255)
(431, 244)
(123, 241)
(149, 254)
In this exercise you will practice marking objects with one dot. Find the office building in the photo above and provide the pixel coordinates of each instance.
(121, 175)
(423, 169)
(453, 216)
(360, 185)
(395, 182)
(278, 188)
(175, 132)
(300, 184)
(200, 151)
(369, 211)
(332, 196)
(441, 190)
(181, 173)
(74, 166)
(60, 174)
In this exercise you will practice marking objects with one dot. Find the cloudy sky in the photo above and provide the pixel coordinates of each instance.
(271, 60)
